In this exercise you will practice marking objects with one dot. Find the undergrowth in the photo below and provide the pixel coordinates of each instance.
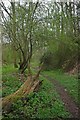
(44, 104)
(68, 81)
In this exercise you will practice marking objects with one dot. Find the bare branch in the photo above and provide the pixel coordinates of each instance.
(3, 6)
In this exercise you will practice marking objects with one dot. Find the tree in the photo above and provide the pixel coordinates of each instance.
(62, 24)
(42, 26)
(20, 30)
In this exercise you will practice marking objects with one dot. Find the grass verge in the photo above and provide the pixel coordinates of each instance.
(44, 104)
(68, 81)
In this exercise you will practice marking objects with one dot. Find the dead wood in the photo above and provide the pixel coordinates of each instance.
(28, 87)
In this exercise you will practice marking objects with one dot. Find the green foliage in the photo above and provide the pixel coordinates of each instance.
(10, 84)
(7, 69)
(10, 78)
(69, 82)
(50, 27)
(44, 104)
(8, 54)
(60, 55)
(53, 29)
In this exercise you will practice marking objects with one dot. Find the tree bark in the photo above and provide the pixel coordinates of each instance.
(30, 85)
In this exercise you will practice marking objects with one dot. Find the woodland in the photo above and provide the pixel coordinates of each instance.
(40, 59)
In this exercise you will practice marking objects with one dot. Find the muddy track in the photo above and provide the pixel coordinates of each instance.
(69, 103)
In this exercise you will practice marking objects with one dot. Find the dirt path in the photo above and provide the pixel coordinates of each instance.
(69, 103)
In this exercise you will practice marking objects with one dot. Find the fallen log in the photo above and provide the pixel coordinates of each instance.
(30, 85)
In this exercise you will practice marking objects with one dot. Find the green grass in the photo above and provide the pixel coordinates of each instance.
(10, 80)
(46, 103)
(6, 69)
(10, 84)
(68, 81)
(0, 70)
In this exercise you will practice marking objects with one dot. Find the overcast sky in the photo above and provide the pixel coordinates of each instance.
(7, 1)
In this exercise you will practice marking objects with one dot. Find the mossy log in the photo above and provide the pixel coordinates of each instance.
(29, 86)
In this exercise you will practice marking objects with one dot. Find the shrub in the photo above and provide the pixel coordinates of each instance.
(62, 58)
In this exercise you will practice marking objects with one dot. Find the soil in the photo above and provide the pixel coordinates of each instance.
(69, 103)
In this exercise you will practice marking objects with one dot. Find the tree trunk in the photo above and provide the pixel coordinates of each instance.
(22, 65)
(30, 85)
(15, 63)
